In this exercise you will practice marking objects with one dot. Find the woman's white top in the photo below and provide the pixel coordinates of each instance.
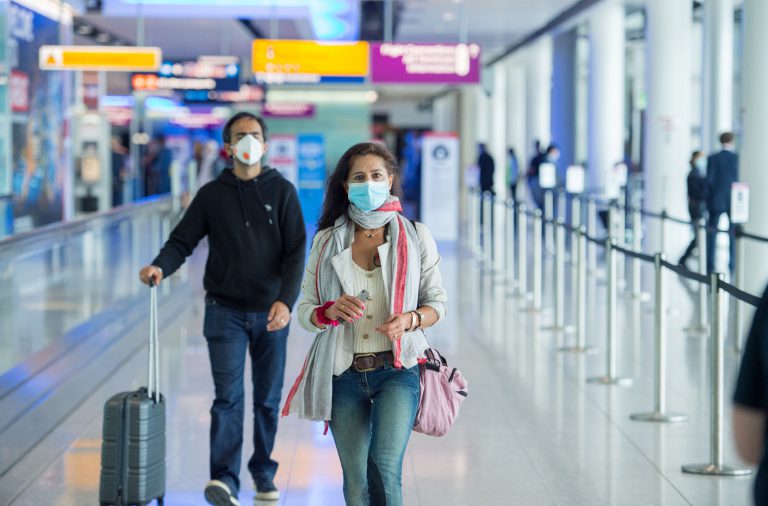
(367, 338)
(431, 293)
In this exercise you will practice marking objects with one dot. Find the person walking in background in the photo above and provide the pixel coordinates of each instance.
(551, 155)
(513, 173)
(722, 171)
(119, 170)
(371, 286)
(487, 168)
(161, 165)
(697, 198)
(257, 240)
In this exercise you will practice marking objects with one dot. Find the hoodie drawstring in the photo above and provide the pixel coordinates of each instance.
(242, 203)
(261, 203)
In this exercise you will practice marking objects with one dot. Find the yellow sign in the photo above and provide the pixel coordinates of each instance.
(125, 59)
(349, 59)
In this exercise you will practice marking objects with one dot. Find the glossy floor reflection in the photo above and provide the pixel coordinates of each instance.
(532, 431)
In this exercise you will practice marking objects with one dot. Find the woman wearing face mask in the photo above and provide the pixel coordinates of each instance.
(697, 197)
(372, 285)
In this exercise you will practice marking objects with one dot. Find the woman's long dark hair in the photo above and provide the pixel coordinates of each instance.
(336, 201)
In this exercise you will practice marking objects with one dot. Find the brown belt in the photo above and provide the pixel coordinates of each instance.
(365, 362)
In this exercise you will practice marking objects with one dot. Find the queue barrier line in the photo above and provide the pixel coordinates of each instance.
(715, 284)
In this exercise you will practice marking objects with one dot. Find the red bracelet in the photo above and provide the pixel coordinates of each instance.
(320, 314)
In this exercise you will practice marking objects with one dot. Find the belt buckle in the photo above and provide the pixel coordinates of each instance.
(364, 355)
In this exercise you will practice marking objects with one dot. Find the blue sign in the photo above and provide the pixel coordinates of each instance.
(311, 162)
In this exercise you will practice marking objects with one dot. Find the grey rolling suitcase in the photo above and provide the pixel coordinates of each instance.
(133, 441)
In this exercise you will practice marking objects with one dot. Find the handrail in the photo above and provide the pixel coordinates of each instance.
(77, 225)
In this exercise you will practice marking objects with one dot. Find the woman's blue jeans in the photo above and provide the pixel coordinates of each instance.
(230, 333)
(371, 421)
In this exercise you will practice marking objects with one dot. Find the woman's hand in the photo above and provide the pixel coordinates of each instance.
(346, 309)
(395, 326)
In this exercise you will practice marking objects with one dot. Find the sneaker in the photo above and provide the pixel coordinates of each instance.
(218, 493)
(266, 490)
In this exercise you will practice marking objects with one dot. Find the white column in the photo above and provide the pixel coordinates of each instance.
(445, 113)
(467, 106)
(537, 87)
(717, 82)
(668, 116)
(606, 90)
(516, 111)
(498, 134)
(755, 120)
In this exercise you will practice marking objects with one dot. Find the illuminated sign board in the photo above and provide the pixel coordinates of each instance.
(304, 61)
(425, 63)
(288, 110)
(111, 58)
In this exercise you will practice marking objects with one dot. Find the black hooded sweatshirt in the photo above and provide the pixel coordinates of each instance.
(256, 239)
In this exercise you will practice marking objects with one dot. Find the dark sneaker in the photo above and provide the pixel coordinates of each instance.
(266, 490)
(218, 493)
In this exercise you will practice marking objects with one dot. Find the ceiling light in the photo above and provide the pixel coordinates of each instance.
(84, 29)
(449, 16)
(103, 38)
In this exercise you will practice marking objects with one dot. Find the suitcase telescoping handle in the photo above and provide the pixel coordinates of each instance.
(153, 380)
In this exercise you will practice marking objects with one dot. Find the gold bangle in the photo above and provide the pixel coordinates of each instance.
(413, 320)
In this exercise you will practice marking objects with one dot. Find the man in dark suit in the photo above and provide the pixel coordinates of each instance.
(722, 171)
(487, 168)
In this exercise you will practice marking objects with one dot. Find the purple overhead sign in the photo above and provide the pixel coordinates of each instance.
(425, 63)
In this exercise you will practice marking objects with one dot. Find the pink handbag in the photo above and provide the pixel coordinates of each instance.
(443, 389)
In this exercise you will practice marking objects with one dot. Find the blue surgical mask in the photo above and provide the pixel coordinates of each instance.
(701, 164)
(368, 196)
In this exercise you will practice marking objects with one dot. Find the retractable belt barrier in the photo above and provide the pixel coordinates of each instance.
(711, 286)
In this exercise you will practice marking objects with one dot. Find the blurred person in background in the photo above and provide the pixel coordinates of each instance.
(697, 198)
(722, 172)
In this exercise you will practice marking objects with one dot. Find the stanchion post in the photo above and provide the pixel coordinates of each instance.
(701, 328)
(560, 274)
(549, 210)
(558, 280)
(537, 256)
(487, 231)
(581, 295)
(663, 231)
(474, 222)
(575, 210)
(659, 413)
(637, 246)
(509, 249)
(738, 308)
(592, 231)
(715, 466)
(561, 198)
(522, 251)
(610, 377)
(497, 235)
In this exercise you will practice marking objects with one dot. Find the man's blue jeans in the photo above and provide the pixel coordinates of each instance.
(230, 333)
(371, 421)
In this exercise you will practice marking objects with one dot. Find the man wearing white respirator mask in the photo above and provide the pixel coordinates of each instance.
(257, 239)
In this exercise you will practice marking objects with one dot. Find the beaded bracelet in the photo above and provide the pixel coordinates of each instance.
(320, 315)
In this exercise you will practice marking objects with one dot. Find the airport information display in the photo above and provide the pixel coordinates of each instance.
(299, 61)
(123, 59)
(425, 63)
(302, 61)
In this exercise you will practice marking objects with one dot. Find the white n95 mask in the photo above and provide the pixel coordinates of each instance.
(249, 150)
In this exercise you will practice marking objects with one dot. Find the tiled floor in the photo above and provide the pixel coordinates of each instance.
(532, 431)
